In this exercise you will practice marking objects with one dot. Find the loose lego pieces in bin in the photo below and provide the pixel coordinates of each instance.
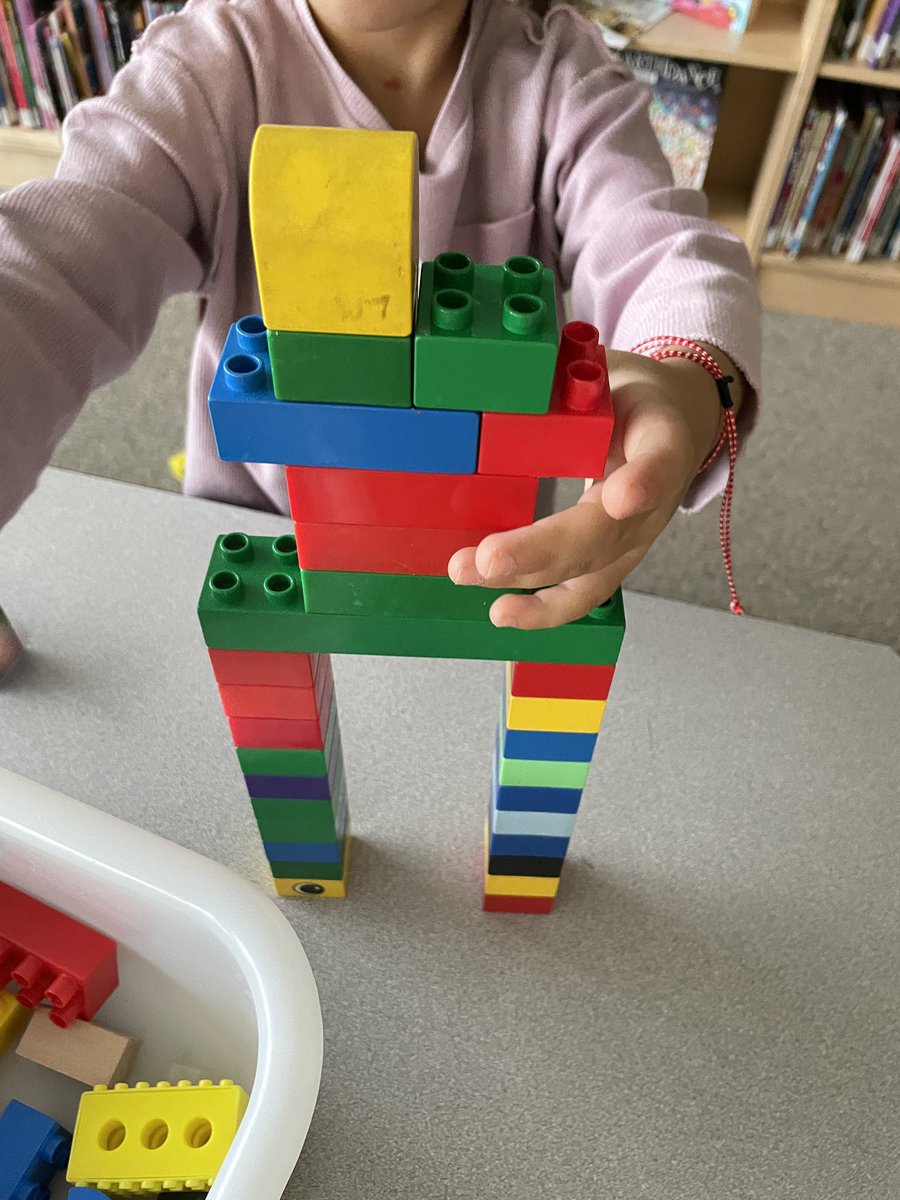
(52, 956)
(33, 1148)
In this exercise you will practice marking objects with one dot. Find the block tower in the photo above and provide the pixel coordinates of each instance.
(415, 412)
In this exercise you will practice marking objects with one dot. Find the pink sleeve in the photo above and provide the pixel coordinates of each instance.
(86, 259)
(640, 255)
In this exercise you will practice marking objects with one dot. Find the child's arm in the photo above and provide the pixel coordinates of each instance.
(86, 259)
(643, 262)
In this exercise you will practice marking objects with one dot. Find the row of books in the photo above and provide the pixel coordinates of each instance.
(867, 31)
(54, 54)
(841, 192)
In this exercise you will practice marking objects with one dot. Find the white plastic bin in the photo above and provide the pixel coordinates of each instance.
(213, 977)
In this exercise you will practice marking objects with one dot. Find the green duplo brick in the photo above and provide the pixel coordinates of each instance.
(527, 772)
(486, 337)
(252, 599)
(369, 593)
(296, 820)
(305, 870)
(338, 368)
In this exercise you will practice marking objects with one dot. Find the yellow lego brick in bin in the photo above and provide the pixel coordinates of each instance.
(333, 216)
(520, 885)
(550, 715)
(164, 1138)
(13, 1019)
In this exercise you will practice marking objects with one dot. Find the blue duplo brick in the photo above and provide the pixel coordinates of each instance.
(545, 746)
(313, 852)
(251, 425)
(33, 1148)
(517, 846)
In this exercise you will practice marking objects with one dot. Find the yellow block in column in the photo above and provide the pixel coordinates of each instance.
(520, 885)
(333, 216)
(550, 715)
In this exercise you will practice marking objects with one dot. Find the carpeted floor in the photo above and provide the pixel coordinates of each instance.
(816, 521)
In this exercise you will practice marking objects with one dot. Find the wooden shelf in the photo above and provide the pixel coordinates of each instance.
(774, 41)
(27, 154)
(729, 206)
(836, 68)
(868, 292)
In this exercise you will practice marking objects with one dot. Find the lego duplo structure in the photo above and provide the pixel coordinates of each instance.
(415, 413)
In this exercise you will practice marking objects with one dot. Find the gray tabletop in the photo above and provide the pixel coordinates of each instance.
(712, 1010)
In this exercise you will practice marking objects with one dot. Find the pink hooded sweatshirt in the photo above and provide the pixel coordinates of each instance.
(543, 146)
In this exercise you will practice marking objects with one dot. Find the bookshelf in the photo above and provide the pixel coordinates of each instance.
(773, 70)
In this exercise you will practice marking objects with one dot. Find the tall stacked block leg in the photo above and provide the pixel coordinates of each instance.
(550, 720)
(283, 719)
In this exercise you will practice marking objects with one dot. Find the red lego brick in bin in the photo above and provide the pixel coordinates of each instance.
(52, 956)
(389, 551)
(519, 904)
(571, 441)
(561, 681)
(273, 668)
(330, 496)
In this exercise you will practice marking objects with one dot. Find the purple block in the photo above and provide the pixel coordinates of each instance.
(288, 787)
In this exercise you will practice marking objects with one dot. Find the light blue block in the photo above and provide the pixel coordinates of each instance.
(533, 824)
(251, 425)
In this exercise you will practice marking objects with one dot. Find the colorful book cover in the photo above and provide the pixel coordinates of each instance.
(733, 15)
(684, 109)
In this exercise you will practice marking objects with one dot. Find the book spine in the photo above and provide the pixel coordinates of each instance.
(835, 189)
(22, 61)
(47, 112)
(885, 224)
(893, 251)
(854, 29)
(13, 74)
(790, 179)
(114, 25)
(856, 190)
(817, 185)
(882, 39)
(870, 30)
(96, 23)
(886, 57)
(881, 186)
(801, 189)
(68, 96)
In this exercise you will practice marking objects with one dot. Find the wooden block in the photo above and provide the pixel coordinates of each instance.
(333, 220)
(85, 1051)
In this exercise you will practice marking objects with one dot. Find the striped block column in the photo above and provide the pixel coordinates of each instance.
(550, 718)
(283, 717)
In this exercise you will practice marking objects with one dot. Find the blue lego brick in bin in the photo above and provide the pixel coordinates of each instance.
(33, 1148)
(77, 1193)
(251, 425)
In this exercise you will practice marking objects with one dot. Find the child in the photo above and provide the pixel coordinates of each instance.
(533, 138)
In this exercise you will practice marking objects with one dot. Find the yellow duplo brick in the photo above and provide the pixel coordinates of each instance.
(167, 1138)
(333, 216)
(549, 715)
(13, 1019)
(520, 885)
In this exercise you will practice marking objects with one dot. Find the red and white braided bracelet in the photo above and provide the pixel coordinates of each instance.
(676, 347)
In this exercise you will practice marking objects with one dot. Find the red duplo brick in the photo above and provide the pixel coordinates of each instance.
(52, 956)
(391, 551)
(273, 668)
(262, 701)
(519, 904)
(561, 681)
(571, 441)
(396, 499)
(276, 733)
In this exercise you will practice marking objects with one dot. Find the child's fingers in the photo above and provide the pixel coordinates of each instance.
(657, 469)
(563, 546)
(563, 603)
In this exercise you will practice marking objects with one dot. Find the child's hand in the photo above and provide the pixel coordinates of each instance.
(668, 416)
